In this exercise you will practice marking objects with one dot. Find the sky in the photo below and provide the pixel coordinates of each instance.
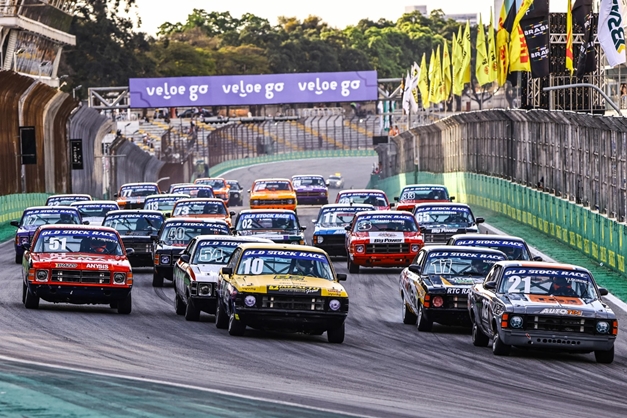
(337, 13)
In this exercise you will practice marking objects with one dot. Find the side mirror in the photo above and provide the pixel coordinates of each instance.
(85, 222)
(231, 213)
(537, 258)
(130, 251)
(490, 285)
(603, 291)
(26, 247)
(348, 227)
(451, 198)
(115, 195)
(184, 258)
(248, 190)
(479, 220)
(303, 227)
(423, 229)
(392, 205)
(227, 271)
(15, 224)
(340, 277)
(396, 198)
(414, 268)
(168, 214)
(313, 221)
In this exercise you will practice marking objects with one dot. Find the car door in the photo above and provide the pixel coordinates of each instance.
(414, 286)
(486, 299)
(223, 281)
(181, 267)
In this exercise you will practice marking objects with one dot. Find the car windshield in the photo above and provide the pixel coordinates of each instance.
(307, 181)
(138, 191)
(248, 223)
(199, 190)
(449, 215)
(384, 222)
(215, 184)
(514, 250)
(214, 251)
(454, 263)
(374, 199)
(337, 217)
(88, 210)
(134, 223)
(65, 200)
(423, 193)
(279, 262)
(78, 241)
(51, 216)
(547, 281)
(335, 178)
(162, 203)
(271, 186)
(180, 233)
(199, 208)
(234, 185)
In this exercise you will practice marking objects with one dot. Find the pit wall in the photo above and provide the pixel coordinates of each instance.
(583, 229)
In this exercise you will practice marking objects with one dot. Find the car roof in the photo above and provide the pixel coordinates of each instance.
(361, 191)
(267, 211)
(50, 207)
(272, 179)
(209, 178)
(347, 205)
(145, 183)
(292, 247)
(459, 248)
(386, 213)
(436, 204)
(307, 175)
(94, 202)
(202, 199)
(487, 237)
(425, 185)
(134, 212)
(166, 195)
(237, 238)
(183, 186)
(197, 220)
(69, 194)
(78, 227)
(543, 265)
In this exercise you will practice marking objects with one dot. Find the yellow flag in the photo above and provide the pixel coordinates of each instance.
(569, 38)
(518, 51)
(466, 54)
(438, 76)
(502, 47)
(458, 57)
(433, 83)
(447, 79)
(423, 82)
(491, 53)
(482, 67)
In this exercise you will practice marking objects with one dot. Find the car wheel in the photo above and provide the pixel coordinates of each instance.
(422, 322)
(179, 305)
(499, 348)
(352, 267)
(157, 280)
(113, 305)
(18, 258)
(409, 317)
(236, 327)
(192, 313)
(24, 290)
(126, 305)
(222, 320)
(479, 339)
(336, 335)
(31, 301)
(604, 356)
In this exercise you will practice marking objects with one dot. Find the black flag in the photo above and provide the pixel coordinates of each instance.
(582, 15)
(535, 26)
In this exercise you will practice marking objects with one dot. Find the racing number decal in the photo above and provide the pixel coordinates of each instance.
(152, 205)
(422, 217)
(252, 266)
(515, 280)
(330, 218)
(182, 210)
(55, 203)
(127, 192)
(57, 243)
(212, 254)
(247, 223)
(408, 196)
(176, 234)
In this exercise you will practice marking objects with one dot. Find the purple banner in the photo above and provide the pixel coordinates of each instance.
(354, 86)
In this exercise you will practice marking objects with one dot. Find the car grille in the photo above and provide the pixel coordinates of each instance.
(430, 238)
(559, 324)
(333, 239)
(309, 194)
(295, 303)
(456, 302)
(79, 276)
(139, 247)
(262, 202)
(387, 248)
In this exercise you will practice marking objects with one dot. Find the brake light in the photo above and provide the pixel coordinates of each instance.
(504, 320)
(615, 327)
(427, 301)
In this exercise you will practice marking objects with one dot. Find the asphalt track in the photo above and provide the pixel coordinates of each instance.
(384, 368)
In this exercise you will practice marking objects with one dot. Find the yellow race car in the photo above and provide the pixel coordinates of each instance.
(280, 287)
(273, 194)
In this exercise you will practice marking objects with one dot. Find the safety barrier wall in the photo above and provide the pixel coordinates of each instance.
(130, 164)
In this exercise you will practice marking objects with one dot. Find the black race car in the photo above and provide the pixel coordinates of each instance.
(236, 195)
(137, 228)
(514, 248)
(440, 221)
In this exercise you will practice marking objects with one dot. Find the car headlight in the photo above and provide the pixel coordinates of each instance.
(254, 202)
(437, 302)
(360, 248)
(517, 322)
(42, 276)
(290, 201)
(603, 327)
(164, 259)
(250, 301)
(318, 239)
(119, 278)
(334, 304)
(323, 193)
(415, 248)
(236, 195)
(204, 289)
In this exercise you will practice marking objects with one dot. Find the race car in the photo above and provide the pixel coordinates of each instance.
(514, 248)
(66, 199)
(211, 208)
(278, 225)
(164, 203)
(376, 198)
(310, 190)
(236, 193)
(440, 221)
(173, 185)
(196, 273)
(539, 305)
(219, 186)
(194, 190)
(286, 288)
(137, 228)
(272, 194)
(94, 211)
(77, 264)
(34, 217)
(382, 239)
(435, 287)
(335, 181)
(173, 237)
(330, 227)
(421, 193)
(133, 195)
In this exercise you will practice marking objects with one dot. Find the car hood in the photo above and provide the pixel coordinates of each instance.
(452, 284)
(207, 272)
(289, 285)
(273, 235)
(278, 194)
(383, 237)
(441, 228)
(556, 305)
(80, 261)
(334, 230)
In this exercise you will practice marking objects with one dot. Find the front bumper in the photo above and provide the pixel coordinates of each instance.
(560, 341)
(312, 200)
(273, 206)
(206, 304)
(333, 248)
(289, 320)
(379, 260)
(453, 317)
(95, 295)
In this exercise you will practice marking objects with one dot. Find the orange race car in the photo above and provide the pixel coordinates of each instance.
(202, 208)
(273, 194)
(133, 195)
(220, 186)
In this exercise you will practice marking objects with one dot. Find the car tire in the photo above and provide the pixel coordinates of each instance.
(179, 305)
(222, 320)
(499, 348)
(409, 317)
(24, 290)
(31, 301)
(336, 335)
(479, 339)
(157, 280)
(18, 258)
(422, 322)
(604, 356)
(125, 306)
(192, 313)
(236, 327)
(113, 305)
(352, 267)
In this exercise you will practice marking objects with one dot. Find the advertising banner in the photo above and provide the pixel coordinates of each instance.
(238, 90)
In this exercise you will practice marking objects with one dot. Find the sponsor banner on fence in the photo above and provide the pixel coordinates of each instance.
(233, 90)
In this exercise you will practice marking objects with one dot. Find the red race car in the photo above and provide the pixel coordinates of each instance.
(382, 239)
(376, 198)
(421, 193)
(77, 264)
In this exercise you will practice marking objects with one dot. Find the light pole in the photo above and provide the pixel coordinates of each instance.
(15, 54)
(42, 65)
(125, 126)
(80, 86)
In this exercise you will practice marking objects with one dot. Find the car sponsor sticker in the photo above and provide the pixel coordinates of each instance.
(489, 242)
(267, 215)
(97, 266)
(51, 211)
(65, 265)
(216, 243)
(560, 311)
(458, 290)
(279, 288)
(386, 237)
